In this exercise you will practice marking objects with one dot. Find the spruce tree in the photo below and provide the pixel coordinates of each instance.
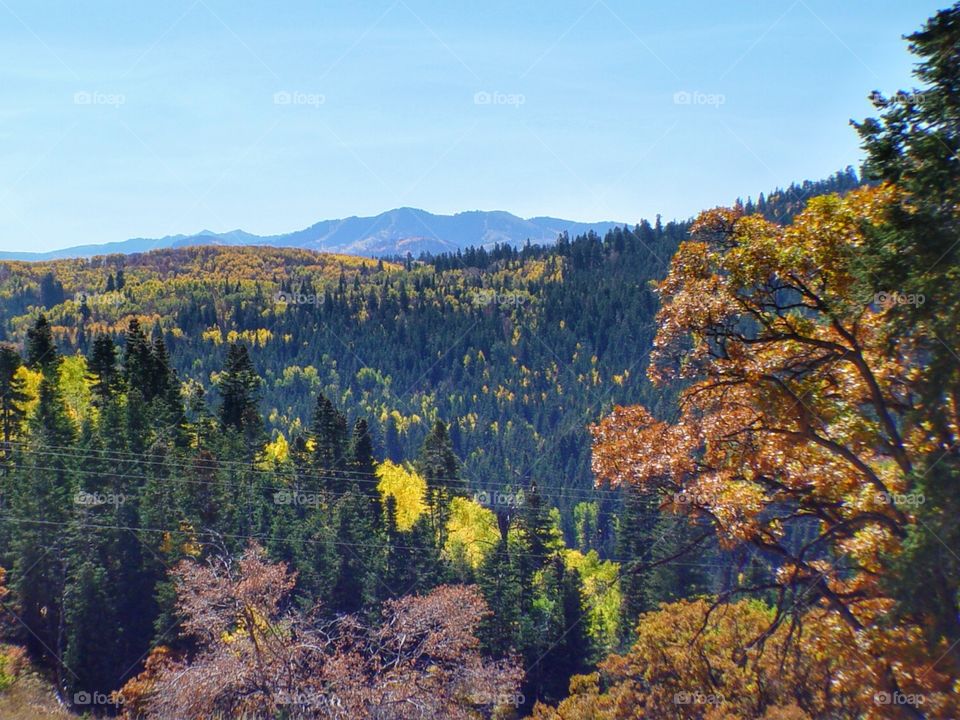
(43, 495)
(103, 370)
(362, 462)
(393, 448)
(499, 580)
(359, 548)
(51, 291)
(169, 413)
(103, 563)
(42, 353)
(138, 361)
(329, 431)
(89, 651)
(12, 399)
(540, 537)
(413, 561)
(440, 468)
(636, 525)
(574, 650)
(239, 387)
(363, 469)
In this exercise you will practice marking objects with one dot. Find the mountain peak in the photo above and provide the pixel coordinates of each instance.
(398, 231)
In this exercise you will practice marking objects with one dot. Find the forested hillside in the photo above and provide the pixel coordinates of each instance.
(518, 349)
(382, 427)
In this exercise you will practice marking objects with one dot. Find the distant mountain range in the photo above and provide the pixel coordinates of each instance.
(395, 232)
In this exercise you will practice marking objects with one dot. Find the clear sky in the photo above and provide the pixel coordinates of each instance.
(139, 119)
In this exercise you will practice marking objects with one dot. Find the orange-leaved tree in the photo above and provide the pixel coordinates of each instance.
(681, 668)
(794, 437)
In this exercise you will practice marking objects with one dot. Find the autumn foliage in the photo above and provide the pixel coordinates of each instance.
(256, 657)
(796, 437)
(691, 663)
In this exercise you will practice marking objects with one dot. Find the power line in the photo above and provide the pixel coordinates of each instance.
(327, 494)
(8, 517)
(352, 476)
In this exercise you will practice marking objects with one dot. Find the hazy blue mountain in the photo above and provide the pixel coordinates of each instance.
(397, 231)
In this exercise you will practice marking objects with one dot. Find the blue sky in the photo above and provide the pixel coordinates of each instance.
(122, 119)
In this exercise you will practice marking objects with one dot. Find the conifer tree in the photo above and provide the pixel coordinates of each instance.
(359, 548)
(635, 541)
(102, 366)
(574, 650)
(362, 462)
(170, 413)
(440, 468)
(676, 573)
(393, 448)
(540, 536)
(138, 361)
(499, 580)
(392, 536)
(557, 644)
(89, 651)
(42, 353)
(12, 398)
(43, 494)
(239, 387)
(329, 430)
(413, 562)
(363, 469)
(51, 291)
